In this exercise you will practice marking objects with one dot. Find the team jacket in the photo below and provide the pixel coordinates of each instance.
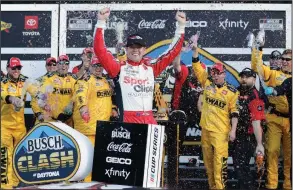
(9, 117)
(34, 102)
(95, 93)
(219, 103)
(272, 78)
(135, 80)
(251, 108)
(59, 90)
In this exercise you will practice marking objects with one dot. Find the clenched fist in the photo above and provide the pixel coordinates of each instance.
(181, 18)
(104, 14)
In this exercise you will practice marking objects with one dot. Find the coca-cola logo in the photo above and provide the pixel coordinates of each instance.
(124, 147)
(156, 24)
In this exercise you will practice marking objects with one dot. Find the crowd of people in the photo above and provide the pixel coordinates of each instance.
(225, 113)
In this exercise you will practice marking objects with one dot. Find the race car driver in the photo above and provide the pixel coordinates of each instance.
(86, 57)
(92, 102)
(51, 66)
(135, 77)
(277, 116)
(56, 97)
(13, 89)
(219, 105)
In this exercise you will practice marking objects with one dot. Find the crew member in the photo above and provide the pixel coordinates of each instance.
(251, 111)
(277, 116)
(13, 89)
(219, 112)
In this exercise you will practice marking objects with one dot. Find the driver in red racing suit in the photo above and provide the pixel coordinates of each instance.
(135, 76)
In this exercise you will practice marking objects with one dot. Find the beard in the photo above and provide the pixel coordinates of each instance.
(245, 86)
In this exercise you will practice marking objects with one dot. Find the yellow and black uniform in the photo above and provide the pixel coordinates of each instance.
(278, 124)
(34, 102)
(59, 91)
(95, 93)
(219, 104)
(12, 125)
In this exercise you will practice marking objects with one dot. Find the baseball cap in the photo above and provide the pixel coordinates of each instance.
(219, 66)
(95, 60)
(247, 72)
(275, 55)
(51, 59)
(13, 62)
(63, 58)
(87, 50)
(135, 39)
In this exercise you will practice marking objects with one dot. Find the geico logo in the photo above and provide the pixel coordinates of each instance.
(62, 91)
(194, 132)
(196, 23)
(4, 162)
(105, 93)
(55, 160)
(143, 88)
(45, 143)
(215, 102)
(154, 154)
(115, 160)
(133, 81)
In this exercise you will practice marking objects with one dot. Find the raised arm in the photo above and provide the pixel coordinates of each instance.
(174, 49)
(106, 58)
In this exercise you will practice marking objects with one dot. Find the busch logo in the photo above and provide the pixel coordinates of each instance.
(121, 133)
(124, 147)
(112, 23)
(156, 24)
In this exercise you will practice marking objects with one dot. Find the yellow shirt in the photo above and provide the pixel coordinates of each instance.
(95, 93)
(272, 78)
(218, 103)
(9, 117)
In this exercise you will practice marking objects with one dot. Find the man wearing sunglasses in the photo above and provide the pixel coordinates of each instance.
(92, 102)
(277, 116)
(275, 60)
(219, 118)
(86, 57)
(58, 92)
(135, 77)
(13, 85)
(51, 66)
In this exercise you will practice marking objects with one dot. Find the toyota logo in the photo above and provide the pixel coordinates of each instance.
(31, 22)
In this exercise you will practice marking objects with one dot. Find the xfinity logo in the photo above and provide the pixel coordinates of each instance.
(121, 133)
(233, 24)
(116, 160)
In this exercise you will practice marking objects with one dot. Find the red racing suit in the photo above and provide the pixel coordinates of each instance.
(135, 80)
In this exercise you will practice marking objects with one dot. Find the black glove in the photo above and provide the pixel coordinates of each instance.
(63, 117)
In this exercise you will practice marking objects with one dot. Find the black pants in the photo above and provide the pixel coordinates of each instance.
(243, 150)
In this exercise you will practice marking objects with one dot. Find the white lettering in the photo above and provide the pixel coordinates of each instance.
(156, 24)
(31, 33)
(233, 24)
(112, 172)
(51, 143)
(47, 174)
(116, 160)
(124, 147)
(194, 132)
(121, 133)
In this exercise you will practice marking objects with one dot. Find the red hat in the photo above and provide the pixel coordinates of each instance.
(62, 58)
(203, 66)
(13, 62)
(87, 50)
(219, 66)
(51, 59)
(95, 60)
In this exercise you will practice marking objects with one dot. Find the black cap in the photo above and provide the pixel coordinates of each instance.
(275, 55)
(247, 72)
(135, 39)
